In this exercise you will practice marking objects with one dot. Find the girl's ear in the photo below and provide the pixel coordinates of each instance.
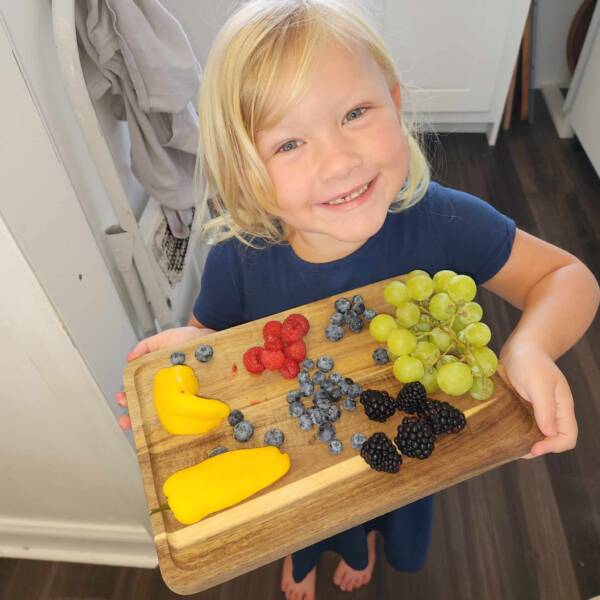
(396, 96)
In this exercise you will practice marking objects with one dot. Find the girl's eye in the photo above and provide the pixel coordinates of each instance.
(288, 146)
(359, 111)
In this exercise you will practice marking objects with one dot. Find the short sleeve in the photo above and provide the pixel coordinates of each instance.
(219, 304)
(476, 237)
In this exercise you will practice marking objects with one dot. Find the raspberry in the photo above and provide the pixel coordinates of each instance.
(272, 359)
(302, 319)
(252, 360)
(290, 369)
(272, 329)
(296, 351)
(273, 343)
(291, 330)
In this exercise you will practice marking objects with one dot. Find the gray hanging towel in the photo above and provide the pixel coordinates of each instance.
(138, 51)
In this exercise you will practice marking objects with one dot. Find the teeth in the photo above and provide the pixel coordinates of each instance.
(350, 197)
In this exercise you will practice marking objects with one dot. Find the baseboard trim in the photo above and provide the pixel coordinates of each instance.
(93, 543)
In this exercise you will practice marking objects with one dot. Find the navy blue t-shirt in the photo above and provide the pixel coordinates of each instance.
(447, 229)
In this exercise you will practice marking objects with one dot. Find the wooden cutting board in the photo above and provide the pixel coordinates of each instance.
(322, 494)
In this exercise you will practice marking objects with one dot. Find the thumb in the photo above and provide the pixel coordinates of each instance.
(544, 409)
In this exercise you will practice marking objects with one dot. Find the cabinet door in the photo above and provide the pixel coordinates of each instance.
(451, 52)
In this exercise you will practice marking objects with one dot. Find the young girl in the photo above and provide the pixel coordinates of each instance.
(318, 188)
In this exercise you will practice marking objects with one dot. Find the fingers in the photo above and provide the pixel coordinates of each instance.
(544, 409)
(142, 347)
(125, 422)
(121, 399)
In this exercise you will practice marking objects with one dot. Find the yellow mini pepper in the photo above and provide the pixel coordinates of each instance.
(222, 481)
(179, 409)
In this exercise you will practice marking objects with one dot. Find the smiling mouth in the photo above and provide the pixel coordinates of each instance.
(350, 197)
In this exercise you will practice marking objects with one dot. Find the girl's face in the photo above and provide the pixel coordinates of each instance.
(344, 134)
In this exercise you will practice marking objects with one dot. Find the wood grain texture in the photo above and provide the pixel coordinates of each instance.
(271, 524)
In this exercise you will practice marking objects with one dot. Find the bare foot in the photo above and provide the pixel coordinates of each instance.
(347, 578)
(305, 590)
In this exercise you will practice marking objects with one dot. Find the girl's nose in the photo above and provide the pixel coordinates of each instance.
(338, 158)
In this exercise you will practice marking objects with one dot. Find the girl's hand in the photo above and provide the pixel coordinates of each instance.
(170, 338)
(536, 378)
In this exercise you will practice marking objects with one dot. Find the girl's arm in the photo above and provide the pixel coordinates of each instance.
(559, 297)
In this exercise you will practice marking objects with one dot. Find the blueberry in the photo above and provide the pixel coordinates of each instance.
(294, 396)
(218, 450)
(322, 399)
(317, 415)
(335, 377)
(305, 421)
(235, 417)
(204, 353)
(333, 413)
(274, 437)
(307, 389)
(349, 404)
(370, 314)
(358, 299)
(308, 364)
(355, 325)
(334, 333)
(357, 440)
(243, 431)
(335, 392)
(177, 358)
(337, 318)
(303, 377)
(335, 446)
(319, 378)
(380, 356)
(358, 308)
(345, 384)
(296, 409)
(326, 432)
(342, 305)
(325, 364)
(355, 390)
(350, 316)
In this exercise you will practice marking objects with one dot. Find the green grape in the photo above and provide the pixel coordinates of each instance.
(476, 370)
(401, 341)
(471, 312)
(441, 279)
(458, 325)
(416, 272)
(381, 325)
(442, 307)
(395, 293)
(419, 287)
(408, 368)
(429, 380)
(462, 287)
(440, 338)
(427, 353)
(425, 323)
(487, 359)
(407, 314)
(476, 334)
(446, 359)
(482, 388)
(455, 378)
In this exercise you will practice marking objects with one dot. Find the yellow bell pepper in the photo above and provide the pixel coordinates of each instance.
(222, 481)
(179, 409)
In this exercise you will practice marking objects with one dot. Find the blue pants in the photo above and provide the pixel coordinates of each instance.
(406, 534)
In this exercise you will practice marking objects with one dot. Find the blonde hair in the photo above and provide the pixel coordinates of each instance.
(243, 71)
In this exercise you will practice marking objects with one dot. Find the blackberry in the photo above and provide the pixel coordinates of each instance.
(333, 413)
(218, 450)
(380, 453)
(326, 432)
(308, 364)
(379, 406)
(370, 314)
(411, 397)
(337, 318)
(204, 353)
(335, 446)
(305, 421)
(325, 363)
(243, 431)
(177, 358)
(357, 440)
(296, 409)
(294, 396)
(334, 333)
(380, 356)
(443, 417)
(415, 437)
(342, 305)
(274, 437)
(355, 325)
(235, 416)
(349, 404)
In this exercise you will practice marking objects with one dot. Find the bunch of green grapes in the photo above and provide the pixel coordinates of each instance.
(437, 336)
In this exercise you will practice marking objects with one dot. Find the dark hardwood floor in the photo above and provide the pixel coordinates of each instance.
(526, 531)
